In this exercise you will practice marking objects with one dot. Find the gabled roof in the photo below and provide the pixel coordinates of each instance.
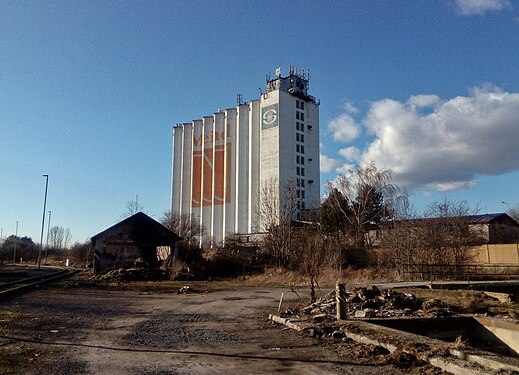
(142, 226)
(498, 218)
(490, 219)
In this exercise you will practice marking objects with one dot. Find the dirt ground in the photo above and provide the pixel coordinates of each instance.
(77, 327)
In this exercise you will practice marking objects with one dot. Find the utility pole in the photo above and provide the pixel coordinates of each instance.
(15, 243)
(48, 231)
(43, 220)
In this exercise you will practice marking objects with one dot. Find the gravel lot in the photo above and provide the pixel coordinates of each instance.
(72, 329)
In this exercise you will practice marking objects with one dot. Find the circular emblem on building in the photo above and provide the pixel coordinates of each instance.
(270, 116)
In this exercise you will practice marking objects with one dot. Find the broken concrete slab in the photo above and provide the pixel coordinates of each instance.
(435, 352)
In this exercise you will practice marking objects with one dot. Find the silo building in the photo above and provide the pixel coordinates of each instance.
(222, 161)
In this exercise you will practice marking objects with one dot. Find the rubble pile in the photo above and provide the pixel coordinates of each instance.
(373, 303)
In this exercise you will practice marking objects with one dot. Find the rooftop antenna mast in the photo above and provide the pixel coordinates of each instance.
(239, 99)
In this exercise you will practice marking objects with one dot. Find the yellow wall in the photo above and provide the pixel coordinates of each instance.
(497, 253)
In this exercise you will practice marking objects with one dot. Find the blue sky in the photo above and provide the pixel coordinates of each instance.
(89, 91)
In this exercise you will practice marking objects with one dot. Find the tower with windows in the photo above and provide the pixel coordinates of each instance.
(221, 161)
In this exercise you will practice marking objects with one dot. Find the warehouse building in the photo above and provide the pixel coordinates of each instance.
(222, 161)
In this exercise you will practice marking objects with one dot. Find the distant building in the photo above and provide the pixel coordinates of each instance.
(498, 228)
(494, 228)
(221, 161)
(134, 239)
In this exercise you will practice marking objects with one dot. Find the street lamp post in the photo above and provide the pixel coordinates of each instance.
(48, 231)
(43, 220)
(506, 204)
(15, 243)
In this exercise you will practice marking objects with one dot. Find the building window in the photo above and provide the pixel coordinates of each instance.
(302, 182)
(297, 159)
(298, 193)
(302, 127)
(298, 182)
(297, 148)
(302, 160)
(302, 138)
(302, 149)
(297, 115)
(297, 103)
(298, 171)
(302, 194)
(297, 136)
(302, 105)
(297, 126)
(302, 171)
(302, 205)
(302, 116)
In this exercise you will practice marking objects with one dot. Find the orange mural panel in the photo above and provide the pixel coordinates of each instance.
(207, 193)
(204, 164)
(197, 179)
(219, 174)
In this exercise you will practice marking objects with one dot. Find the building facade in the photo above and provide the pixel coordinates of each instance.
(221, 162)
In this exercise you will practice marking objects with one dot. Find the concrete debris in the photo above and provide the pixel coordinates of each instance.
(372, 302)
(367, 313)
(322, 318)
(185, 289)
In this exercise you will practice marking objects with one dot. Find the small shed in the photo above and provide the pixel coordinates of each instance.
(134, 239)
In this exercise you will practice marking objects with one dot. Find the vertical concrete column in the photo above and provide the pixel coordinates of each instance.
(340, 298)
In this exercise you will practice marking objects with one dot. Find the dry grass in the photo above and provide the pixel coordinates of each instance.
(329, 277)
(459, 343)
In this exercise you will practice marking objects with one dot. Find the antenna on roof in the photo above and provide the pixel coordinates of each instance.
(239, 99)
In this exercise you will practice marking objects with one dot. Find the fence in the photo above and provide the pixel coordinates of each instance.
(459, 272)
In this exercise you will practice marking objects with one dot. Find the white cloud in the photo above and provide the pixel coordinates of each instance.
(344, 128)
(447, 147)
(423, 101)
(349, 106)
(351, 153)
(328, 164)
(480, 7)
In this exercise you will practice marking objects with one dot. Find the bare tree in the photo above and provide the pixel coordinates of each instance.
(448, 234)
(59, 238)
(277, 210)
(187, 227)
(131, 208)
(442, 236)
(314, 254)
(514, 212)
